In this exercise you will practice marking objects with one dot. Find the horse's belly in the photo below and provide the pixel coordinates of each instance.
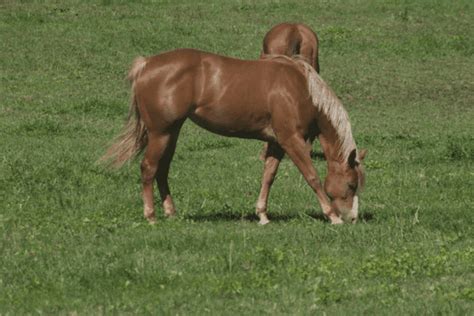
(229, 121)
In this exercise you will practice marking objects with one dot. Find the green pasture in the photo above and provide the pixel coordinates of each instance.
(72, 237)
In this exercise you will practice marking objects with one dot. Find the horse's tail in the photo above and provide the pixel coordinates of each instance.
(133, 138)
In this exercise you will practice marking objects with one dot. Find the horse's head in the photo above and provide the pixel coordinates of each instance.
(343, 183)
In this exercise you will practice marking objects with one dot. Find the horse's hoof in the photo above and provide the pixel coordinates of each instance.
(336, 221)
(263, 222)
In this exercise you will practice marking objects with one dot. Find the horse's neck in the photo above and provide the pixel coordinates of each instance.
(330, 144)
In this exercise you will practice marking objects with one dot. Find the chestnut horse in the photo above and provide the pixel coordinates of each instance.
(279, 100)
(292, 39)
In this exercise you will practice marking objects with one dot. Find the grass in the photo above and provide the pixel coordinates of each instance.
(73, 239)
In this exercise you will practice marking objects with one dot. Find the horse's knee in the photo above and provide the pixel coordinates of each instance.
(268, 180)
(314, 182)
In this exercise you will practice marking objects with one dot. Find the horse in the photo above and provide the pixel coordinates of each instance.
(292, 39)
(279, 100)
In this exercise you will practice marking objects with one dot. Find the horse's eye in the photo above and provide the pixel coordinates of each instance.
(353, 187)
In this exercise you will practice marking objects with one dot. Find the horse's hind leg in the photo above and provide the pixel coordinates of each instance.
(163, 171)
(272, 155)
(157, 145)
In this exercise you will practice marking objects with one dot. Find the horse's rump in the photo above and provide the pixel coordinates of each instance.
(292, 39)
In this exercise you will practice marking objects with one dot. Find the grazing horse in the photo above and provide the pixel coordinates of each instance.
(292, 39)
(279, 100)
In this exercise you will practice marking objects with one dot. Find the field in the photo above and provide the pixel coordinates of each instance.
(73, 238)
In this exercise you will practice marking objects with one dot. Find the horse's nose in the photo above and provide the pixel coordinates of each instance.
(354, 220)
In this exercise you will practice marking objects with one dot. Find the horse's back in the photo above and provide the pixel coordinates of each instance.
(198, 73)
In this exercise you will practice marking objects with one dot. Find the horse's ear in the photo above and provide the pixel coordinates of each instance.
(362, 154)
(352, 160)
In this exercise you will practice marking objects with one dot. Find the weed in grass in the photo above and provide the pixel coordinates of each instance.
(460, 148)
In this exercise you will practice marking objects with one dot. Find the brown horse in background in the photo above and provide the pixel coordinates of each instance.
(292, 39)
(279, 100)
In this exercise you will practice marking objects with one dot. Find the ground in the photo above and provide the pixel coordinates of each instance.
(73, 239)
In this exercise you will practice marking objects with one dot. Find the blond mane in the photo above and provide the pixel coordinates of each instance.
(326, 100)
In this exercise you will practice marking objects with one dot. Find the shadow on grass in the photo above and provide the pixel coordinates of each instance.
(231, 217)
(366, 217)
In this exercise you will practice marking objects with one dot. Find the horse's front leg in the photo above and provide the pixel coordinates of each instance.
(272, 155)
(298, 151)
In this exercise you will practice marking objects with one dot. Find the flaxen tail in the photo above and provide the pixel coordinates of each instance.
(133, 138)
